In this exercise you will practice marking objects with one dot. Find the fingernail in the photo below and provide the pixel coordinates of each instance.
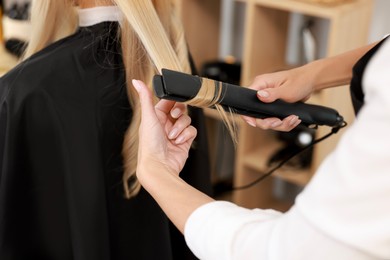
(179, 140)
(172, 134)
(175, 113)
(293, 121)
(136, 84)
(251, 123)
(276, 123)
(262, 93)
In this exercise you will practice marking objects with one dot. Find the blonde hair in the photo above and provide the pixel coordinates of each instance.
(152, 38)
(209, 95)
(50, 21)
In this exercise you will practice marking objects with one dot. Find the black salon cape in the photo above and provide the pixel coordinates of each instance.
(63, 114)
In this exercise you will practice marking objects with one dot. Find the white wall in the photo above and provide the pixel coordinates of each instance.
(380, 24)
(232, 28)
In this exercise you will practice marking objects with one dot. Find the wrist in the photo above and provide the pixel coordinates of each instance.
(314, 71)
(150, 171)
(336, 70)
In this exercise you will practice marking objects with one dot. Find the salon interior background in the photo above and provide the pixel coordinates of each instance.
(231, 44)
(232, 24)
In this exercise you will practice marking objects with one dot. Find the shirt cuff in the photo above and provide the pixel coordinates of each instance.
(211, 229)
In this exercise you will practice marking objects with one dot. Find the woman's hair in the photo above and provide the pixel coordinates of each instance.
(51, 20)
(152, 38)
(209, 95)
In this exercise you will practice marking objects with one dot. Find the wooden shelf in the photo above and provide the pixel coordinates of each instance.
(311, 9)
(306, 8)
(265, 47)
(7, 60)
(264, 51)
(257, 160)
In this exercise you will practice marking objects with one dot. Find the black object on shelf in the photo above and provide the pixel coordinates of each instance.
(294, 141)
(222, 71)
(15, 47)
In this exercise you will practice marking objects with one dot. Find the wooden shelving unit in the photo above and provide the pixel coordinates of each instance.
(7, 60)
(201, 20)
(264, 51)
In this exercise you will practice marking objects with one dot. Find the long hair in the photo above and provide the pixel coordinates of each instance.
(51, 20)
(152, 38)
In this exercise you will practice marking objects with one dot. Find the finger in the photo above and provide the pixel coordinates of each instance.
(268, 123)
(175, 109)
(269, 95)
(181, 123)
(260, 82)
(288, 123)
(291, 122)
(178, 110)
(249, 120)
(165, 105)
(187, 135)
(145, 96)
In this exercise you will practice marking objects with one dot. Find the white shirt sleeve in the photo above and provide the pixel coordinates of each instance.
(223, 231)
(211, 230)
(343, 213)
(349, 197)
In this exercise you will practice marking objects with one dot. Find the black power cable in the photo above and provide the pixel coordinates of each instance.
(280, 164)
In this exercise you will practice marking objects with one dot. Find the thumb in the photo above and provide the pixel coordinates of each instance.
(269, 94)
(146, 100)
(265, 85)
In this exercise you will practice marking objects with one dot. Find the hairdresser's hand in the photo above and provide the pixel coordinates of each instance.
(291, 86)
(165, 135)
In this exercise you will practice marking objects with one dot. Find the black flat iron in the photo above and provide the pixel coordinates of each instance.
(181, 87)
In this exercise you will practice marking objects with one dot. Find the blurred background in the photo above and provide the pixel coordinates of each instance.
(235, 40)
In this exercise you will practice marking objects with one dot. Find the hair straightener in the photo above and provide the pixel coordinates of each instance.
(182, 87)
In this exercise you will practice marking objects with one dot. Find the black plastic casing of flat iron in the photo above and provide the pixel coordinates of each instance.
(180, 87)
